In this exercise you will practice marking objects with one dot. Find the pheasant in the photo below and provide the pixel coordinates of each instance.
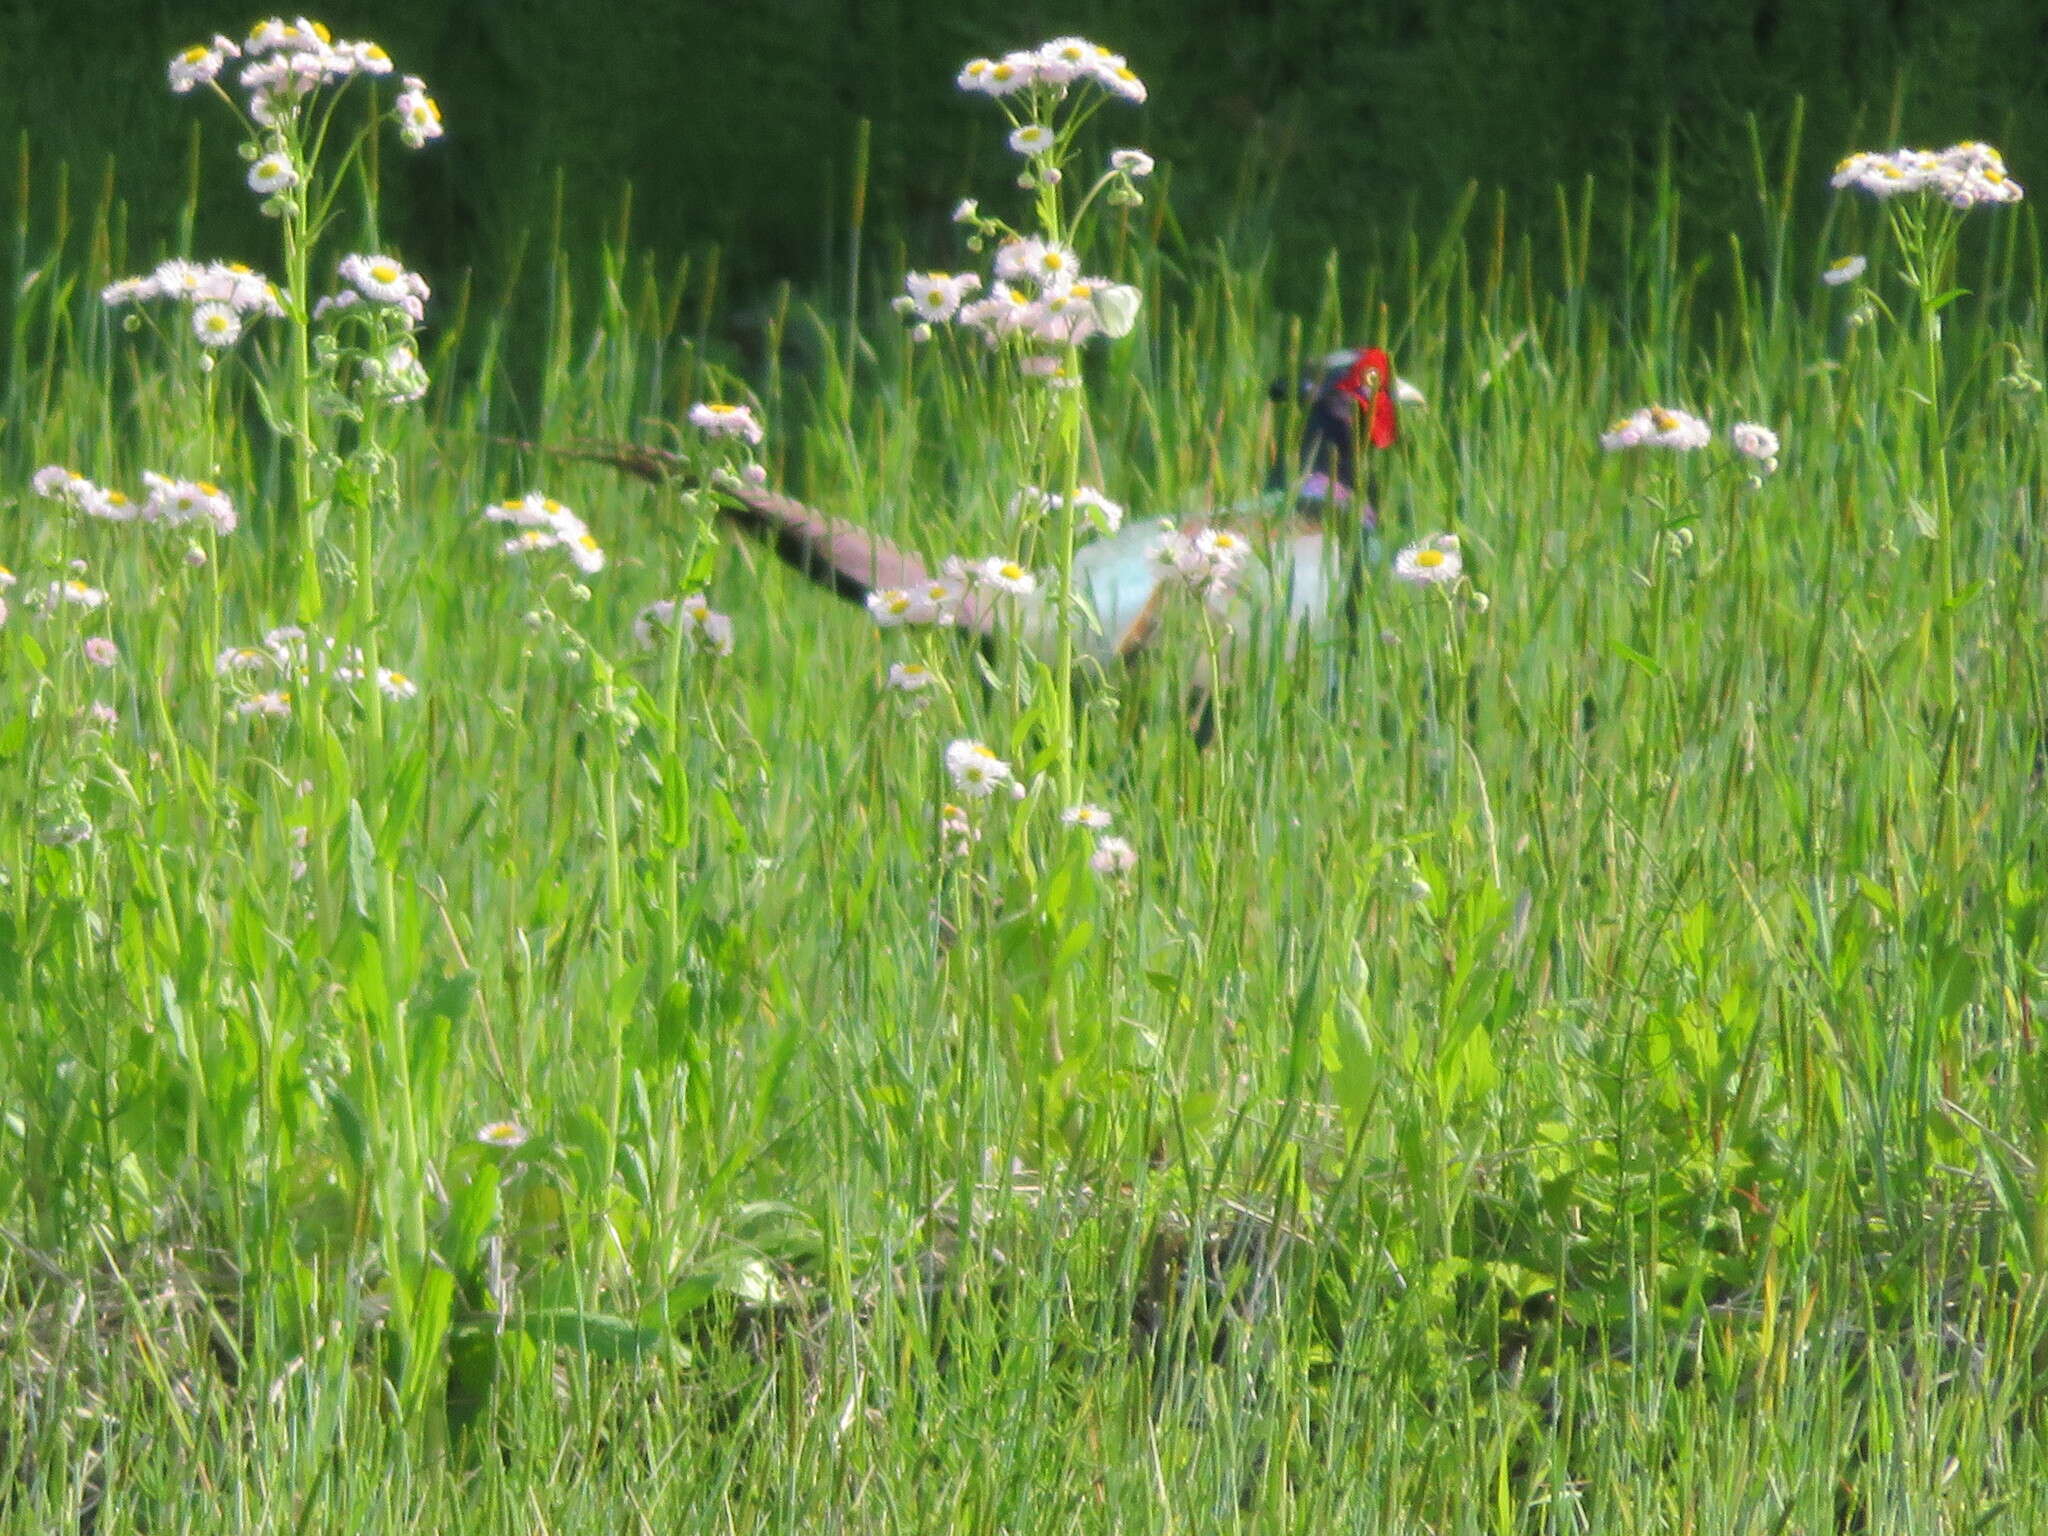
(1123, 580)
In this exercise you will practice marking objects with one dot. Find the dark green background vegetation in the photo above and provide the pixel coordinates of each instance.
(1318, 123)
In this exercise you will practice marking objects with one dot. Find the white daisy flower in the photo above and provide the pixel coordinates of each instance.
(705, 629)
(1064, 317)
(1844, 269)
(1005, 576)
(100, 651)
(530, 541)
(77, 594)
(200, 64)
(419, 118)
(1134, 163)
(175, 502)
(975, 76)
(246, 291)
(243, 658)
(216, 325)
(368, 58)
(273, 172)
(129, 290)
(936, 296)
(715, 419)
(966, 211)
(396, 685)
(55, 482)
(381, 278)
(287, 645)
(1065, 59)
(977, 772)
(178, 279)
(110, 506)
(1113, 857)
(1756, 441)
(274, 704)
(1031, 139)
(1098, 510)
(7, 578)
(1012, 73)
(910, 677)
(892, 607)
(584, 551)
(505, 1135)
(1225, 551)
(1434, 562)
(1117, 77)
(1054, 267)
(1093, 817)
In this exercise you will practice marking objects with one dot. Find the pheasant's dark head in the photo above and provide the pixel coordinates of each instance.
(1349, 386)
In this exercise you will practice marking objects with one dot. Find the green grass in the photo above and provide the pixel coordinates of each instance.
(1566, 1067)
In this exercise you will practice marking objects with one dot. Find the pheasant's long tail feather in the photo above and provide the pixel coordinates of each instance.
(850, 560)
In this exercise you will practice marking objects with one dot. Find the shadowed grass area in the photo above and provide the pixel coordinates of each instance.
(1565, 1063)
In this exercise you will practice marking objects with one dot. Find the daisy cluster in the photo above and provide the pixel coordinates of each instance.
(74, 591)
(1963, 175)
(1039, 296)
(1048, 72)
(171, 503)
(978, 776)
(938, 601)
(1037, 292)
(286, 62)
(1209, 560)
(266, 677)
(379, 289)
(708, 632)
(545, 524)
(222, 296)
(1655, 427)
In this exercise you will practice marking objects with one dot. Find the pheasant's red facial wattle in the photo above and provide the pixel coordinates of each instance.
(1371, 383)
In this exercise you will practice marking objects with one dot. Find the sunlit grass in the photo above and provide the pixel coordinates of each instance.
(1566, 1066)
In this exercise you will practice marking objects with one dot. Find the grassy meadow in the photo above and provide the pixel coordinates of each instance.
(1565, 1062)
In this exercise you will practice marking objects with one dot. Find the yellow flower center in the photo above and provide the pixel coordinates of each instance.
(384, 271)
(1664, 419)
(1430, 559)
(193, 55)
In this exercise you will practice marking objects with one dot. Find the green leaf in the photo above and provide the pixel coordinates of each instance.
(1630, 654)
(470, 1216)
(595, 1333)
(362, 863)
